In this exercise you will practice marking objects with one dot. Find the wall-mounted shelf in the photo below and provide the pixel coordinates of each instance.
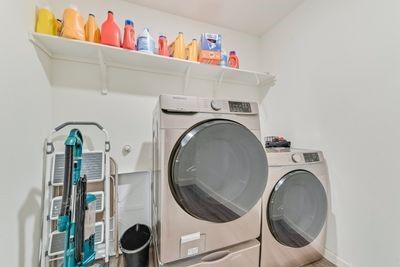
(107, 56)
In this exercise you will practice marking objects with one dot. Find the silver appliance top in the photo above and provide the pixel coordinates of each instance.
(187, 104)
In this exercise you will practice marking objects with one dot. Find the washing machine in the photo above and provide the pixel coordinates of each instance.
(295, 207)
(209, 174)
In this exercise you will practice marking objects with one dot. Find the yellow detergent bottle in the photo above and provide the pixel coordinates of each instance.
(179, 47)
(73, 24)
(192, 51)
(92, 31)
(46, 22)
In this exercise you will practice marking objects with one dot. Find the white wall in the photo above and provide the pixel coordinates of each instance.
(25, 113)
(338, 68)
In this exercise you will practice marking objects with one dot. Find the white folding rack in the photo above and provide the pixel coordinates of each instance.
(101, 173)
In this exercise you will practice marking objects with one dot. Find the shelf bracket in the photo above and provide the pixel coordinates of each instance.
(219, 82)
(258, 82)
(187, 79)
(103, 73)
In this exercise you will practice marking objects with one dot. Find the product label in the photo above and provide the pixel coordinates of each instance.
(193, 251)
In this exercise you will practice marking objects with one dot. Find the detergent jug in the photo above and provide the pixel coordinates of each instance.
(110, 32)
(233, 60)
(145, 42)
(46, 22)
(177, 48)
(73, 24)
(92, 31)
(129, 36)
(192, 51)
(163, 46)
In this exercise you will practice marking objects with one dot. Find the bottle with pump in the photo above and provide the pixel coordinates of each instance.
(145, 43)
(46, 22)
(73, 24)
(110, 32)
(92, 31)
(233, 60)
(129, 36)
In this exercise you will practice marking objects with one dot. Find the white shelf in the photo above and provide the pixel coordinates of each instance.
(107, 56)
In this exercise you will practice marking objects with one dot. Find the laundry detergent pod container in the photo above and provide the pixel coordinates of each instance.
(135, 244)
(110, 32)
(73, 24)
(145, 43)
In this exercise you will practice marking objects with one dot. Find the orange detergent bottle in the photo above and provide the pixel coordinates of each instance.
(163, 46)
(110, 32)
(192, 51)
(233, 60)
(92, 31)
(129, 36)
(45, 21)
(73, 24)
(177, 48)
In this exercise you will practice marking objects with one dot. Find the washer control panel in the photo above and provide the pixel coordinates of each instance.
(235, 106)
(308, 157)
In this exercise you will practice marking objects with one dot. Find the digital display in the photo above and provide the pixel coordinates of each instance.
(239, 107)
(311, 157)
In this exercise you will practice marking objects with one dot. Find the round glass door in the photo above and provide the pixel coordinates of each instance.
(218, 171)
(297, 209)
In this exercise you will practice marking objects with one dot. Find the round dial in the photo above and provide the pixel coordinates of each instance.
(296, 158)
(216, 105)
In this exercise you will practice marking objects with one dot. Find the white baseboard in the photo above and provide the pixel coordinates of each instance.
(332, 257)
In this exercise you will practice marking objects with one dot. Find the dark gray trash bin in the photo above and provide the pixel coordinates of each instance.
(135, 243)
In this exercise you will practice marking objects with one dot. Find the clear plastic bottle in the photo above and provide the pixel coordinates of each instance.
(145, 42)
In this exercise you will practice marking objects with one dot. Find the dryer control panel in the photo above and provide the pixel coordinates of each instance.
(199, 104)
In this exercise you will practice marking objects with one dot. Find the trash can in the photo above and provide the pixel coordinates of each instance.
(135, 243)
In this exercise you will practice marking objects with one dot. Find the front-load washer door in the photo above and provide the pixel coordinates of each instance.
(218, 171)
(297, 209)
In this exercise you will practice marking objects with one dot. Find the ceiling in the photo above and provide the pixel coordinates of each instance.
(251, 16)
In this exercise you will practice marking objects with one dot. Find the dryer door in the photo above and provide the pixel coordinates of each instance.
(297, 209)
(218, 171)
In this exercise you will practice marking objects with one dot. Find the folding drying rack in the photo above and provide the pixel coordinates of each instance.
(102, 175)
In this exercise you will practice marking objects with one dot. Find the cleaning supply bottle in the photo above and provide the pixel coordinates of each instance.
(58, 26)
(224, 59)
(73, 24)
(163, 46)
(233, 60)
(92, 31)
(46, 21)
(129, 36)
(192, 51)
(179, 47)
(145, 43)
(110, 32)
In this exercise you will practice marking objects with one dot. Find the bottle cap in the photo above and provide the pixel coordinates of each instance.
(128, 22)
(110, 12)
(90, 14)
(232, 53)
(74, 7)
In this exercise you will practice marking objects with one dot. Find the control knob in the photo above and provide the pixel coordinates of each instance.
(296, 158)
(216, 105)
